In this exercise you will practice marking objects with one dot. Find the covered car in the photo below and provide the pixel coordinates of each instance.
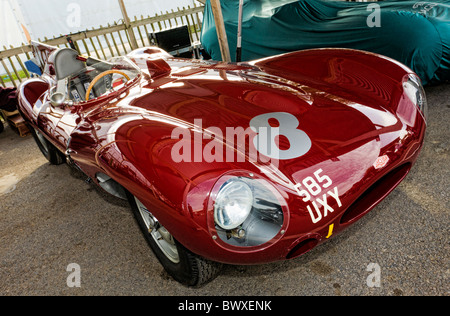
(414, 33)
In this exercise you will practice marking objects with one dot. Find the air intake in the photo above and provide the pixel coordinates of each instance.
(375, 194)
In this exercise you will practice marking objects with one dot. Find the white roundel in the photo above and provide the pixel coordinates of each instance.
(286, 125)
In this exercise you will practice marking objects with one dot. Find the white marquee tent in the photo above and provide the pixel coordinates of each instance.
(48, 18)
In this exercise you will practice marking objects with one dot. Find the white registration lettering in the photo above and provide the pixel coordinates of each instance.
(319, 207)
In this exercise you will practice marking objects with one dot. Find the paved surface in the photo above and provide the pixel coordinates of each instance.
(50, 218)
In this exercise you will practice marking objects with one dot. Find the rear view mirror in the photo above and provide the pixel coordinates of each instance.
(58, 99)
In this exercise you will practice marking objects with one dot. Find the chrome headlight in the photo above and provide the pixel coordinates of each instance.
(233, 205)
(416, 93)
(247, 212)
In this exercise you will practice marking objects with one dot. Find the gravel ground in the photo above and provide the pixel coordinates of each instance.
(50, 218)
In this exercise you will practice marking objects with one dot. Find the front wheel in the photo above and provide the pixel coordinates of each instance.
(184, 266)
(53, 155)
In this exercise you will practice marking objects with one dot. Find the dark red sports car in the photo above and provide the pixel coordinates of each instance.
(245, 163)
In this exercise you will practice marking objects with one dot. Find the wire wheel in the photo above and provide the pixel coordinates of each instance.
(160, 235)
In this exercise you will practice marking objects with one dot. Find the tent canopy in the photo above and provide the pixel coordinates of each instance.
(48, 18)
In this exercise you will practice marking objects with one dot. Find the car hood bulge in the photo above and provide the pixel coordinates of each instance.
(331, 126)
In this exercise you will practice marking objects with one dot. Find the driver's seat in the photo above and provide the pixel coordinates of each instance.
(66, 63)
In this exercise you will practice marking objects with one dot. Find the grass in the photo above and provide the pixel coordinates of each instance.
(6, 78)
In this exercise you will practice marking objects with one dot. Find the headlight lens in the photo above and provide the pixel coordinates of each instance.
(233, 205)
(247, 211)
(416, 93)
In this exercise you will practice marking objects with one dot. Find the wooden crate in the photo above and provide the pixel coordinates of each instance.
(16, 122)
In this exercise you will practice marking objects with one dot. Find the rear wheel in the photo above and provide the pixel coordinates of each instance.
(184, 266)
(53, 155)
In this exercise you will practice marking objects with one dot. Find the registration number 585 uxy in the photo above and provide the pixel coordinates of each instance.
(316, 191)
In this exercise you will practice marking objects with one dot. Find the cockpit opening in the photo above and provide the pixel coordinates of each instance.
(85, 78)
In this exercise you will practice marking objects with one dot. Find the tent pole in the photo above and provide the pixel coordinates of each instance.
(239, 37)
(129, 29)
(221, 32)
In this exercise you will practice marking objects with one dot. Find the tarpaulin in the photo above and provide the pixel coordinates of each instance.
(8, 99)
(415, 33)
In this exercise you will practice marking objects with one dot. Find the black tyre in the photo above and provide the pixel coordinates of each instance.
(2, 128)
(53, 155)
(184, 266)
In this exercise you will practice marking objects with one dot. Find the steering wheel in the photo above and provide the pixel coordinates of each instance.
(100, 76)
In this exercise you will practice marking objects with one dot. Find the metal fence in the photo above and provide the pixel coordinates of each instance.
(103, 42)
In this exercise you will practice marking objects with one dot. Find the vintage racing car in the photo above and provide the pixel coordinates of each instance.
(239, 163)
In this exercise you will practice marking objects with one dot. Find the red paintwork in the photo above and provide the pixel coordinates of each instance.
(350, 103)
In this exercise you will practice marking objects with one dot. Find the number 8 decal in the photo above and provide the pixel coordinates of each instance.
(266, 139)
